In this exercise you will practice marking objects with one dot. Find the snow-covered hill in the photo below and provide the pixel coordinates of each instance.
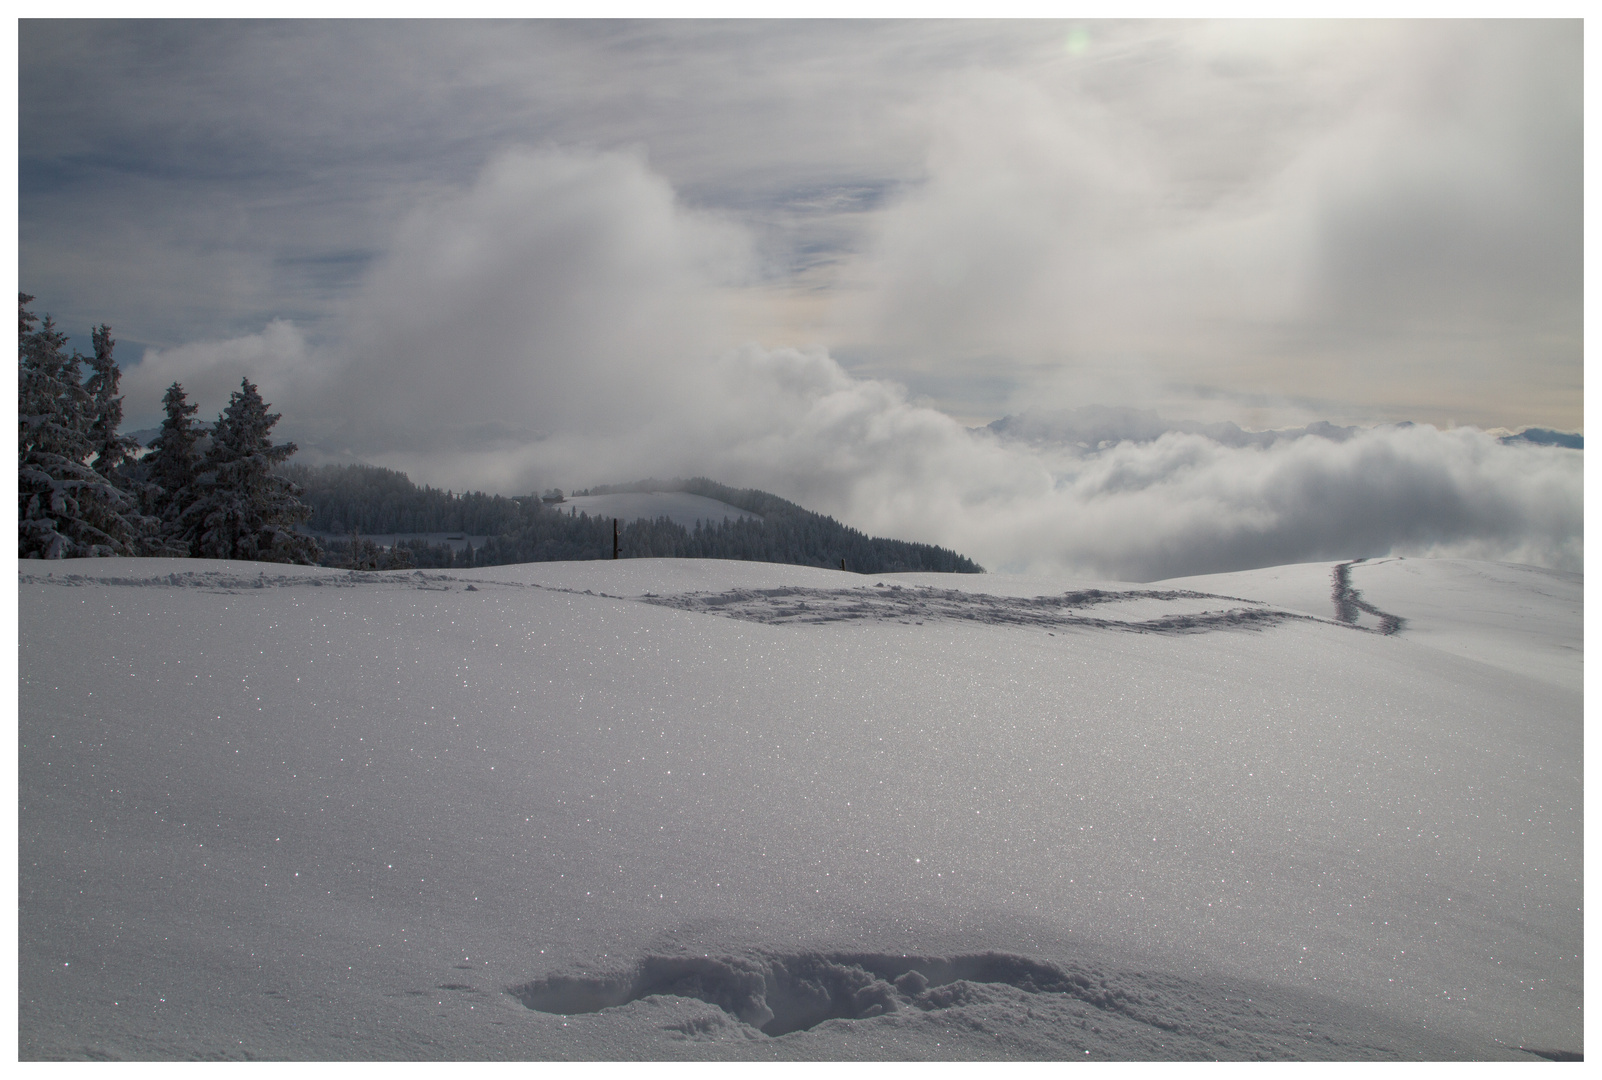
(659, 809)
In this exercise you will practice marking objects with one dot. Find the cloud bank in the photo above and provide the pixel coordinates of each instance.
(563, 320)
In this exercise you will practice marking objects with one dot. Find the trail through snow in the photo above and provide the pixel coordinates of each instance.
(1350, 606)
(1139, 610)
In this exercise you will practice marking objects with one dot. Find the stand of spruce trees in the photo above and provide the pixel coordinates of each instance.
(82, 492)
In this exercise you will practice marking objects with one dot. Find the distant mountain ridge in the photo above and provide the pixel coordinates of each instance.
(1094, 427)
(1547, 437)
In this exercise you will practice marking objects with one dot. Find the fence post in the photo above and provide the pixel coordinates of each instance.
(614, 538)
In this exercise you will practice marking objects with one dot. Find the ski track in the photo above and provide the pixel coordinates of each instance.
(880, 603)
(1349, 602)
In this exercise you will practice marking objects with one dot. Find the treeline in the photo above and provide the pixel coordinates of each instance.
(83, 489)
(367, 499)
(362, 498)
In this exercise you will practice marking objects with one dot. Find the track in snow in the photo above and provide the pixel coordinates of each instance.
(1173, 611)
(1350, 605)
(221, 581)
(1151, 611)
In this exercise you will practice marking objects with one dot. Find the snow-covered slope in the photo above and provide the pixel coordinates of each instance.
(701, 809)
(1523, 619)
(681, 507)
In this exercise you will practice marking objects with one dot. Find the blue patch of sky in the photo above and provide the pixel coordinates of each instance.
(336, 271)
(856, 195)
(40, 175)
(801, 227)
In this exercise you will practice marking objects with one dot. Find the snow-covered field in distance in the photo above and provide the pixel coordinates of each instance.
(681, 507)
(706, 809)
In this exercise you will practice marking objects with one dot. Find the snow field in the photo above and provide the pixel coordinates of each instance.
(294, 812)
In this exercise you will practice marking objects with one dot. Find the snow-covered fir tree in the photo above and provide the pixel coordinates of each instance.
(115, 454)
(170, 468)
(110, 448)
(240, 508)
(65, 508)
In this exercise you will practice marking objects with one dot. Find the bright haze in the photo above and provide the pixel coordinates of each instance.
(819, 258)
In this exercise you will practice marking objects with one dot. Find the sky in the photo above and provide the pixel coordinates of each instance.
(810, 256)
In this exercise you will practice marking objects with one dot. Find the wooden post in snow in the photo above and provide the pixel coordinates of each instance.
(615, 547)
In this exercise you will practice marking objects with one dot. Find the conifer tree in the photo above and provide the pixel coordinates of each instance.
(115, 454)
(65, 508)
(110, 449)
(171, 463)
(240, 508)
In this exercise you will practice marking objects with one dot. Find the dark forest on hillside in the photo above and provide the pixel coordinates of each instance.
(368, 500)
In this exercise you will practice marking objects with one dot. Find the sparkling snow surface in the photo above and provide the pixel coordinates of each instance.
(699, 809)
(680, 507)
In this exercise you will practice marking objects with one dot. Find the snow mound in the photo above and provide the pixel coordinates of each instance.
(792, 992)
(1096, 1012)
